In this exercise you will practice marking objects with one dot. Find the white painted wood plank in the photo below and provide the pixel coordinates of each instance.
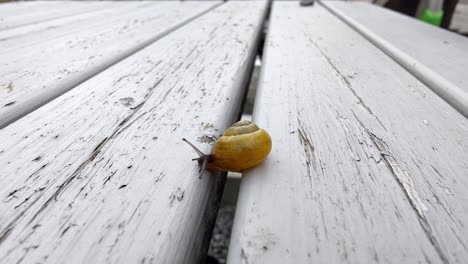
(101, 174)
(38, 13)
(367, 165)
(34, 75)
(12, 7)
(56, 29)
(435, 56)
(43, 31)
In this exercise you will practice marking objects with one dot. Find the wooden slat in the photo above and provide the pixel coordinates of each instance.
(39, 13)
(368, 165)
(101, 174)
(435, 56)
(44, 31)
(19, 7)
(35, 74)
(57, 29)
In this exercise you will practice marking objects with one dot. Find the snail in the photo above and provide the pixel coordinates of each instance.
(242, 146)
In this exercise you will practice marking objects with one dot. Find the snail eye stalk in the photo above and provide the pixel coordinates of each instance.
(201, 154)
(203, 159)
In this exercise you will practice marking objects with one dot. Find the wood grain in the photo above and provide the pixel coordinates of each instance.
(11, 7)
(28, 35)
(11, 17)
(101, 175)
(368, 165)
(436, 57)
(44, 70)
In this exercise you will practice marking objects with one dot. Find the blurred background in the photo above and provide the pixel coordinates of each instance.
(448, 14)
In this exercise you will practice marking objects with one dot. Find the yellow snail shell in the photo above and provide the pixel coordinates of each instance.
(242, 146)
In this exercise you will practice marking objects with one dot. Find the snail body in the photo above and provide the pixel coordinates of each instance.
(242, 146)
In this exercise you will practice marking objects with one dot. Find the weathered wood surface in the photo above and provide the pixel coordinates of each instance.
(86, 24)
(33, 75)
(437, 57)
(9, 8)
(11, 17)
(27, 35)
(101, 175)
(368, 165)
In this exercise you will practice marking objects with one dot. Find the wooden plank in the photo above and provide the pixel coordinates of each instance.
(56, 29)
(38, 13)
(435, 56)
(34, 75)
(12, 7)
(101, 174)
(22, 36)
(367, 165)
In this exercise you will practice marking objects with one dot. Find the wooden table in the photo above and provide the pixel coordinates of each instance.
(370, 136)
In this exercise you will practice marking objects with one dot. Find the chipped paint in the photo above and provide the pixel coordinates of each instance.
(105, 183)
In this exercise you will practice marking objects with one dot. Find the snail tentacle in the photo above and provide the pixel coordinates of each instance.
(203, 159)
(199, 152)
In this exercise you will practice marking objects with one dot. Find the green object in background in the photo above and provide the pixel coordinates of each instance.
(431, 17)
